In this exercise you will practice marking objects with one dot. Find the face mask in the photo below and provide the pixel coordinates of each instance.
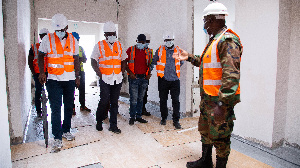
(111, 39)
(140, 46)
(169, 43)
(60, 34)
(205, 30)
(146, 45)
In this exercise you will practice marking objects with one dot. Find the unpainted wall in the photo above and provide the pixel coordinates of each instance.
(17, 43)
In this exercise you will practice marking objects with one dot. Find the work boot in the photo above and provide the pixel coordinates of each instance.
(221, 162)
(177, 125)
(205, 161)
(145, 113)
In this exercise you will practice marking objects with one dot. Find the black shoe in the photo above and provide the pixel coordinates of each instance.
(99, 127)
(205, 160)
(131, 121)
(177, 125)
(221, 162)
(115, 130)
(141, 120)
(145, 113)
(163, 122)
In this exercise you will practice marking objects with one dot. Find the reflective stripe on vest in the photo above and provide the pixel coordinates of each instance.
(110, 61)
(161, 63)
(148, 53)
(212, 68)
(60, 58)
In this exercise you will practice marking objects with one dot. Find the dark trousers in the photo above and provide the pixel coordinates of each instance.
(164, 87)
(108, 94)
(145, 98)
(82, 89)
(38, 90)
(137, 88)
(57, 90)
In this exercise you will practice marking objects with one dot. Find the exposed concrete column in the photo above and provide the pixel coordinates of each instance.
(17, 44)
(5, 155)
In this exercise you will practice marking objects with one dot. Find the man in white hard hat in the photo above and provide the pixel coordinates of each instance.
(33, 65)
(144, 110)
(219, 78)
(108, 62)
(168, 73)
(62, 58)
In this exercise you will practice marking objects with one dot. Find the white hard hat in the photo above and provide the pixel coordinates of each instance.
(148, 37)
(59, 21)
(109, 27)
(215, 8)
(168, 35)
(44, 31)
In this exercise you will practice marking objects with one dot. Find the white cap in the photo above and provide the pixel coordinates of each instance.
(148, 37)
(215, 8)
(109, 27)
(168, 35)
(44, 31)
(59, 21)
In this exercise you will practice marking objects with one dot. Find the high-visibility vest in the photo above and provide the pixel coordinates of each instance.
(60, 58)
(80, 56)
(212, 68)
(35, 49)
(161, 63)
(110, 61)
(148, 53)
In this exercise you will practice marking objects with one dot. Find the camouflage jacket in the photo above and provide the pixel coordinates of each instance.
(230, 51)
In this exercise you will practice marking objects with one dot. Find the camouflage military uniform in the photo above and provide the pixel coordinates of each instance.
(230, 51)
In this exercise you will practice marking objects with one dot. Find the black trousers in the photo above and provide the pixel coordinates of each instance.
(145, 98)
(108, 94)
(164, 87)
(82, 89)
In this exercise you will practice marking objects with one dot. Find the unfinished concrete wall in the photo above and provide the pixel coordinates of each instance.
(257, 25)
(17, 44)
(283, 60)
(155, 17)
(5, 156)
(292, 133)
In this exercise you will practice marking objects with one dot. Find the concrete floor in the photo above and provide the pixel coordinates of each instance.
(141, 145)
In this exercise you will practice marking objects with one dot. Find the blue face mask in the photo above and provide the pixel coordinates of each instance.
(146, 45)
(140, 46)
(205, 30)
(60, 34)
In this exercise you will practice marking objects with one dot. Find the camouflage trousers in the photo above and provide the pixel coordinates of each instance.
(214, 134)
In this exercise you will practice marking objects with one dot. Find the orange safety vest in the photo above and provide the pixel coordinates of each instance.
(60, 58)
(161, 63)
(212, 68)
(132, 57)
(35, 49)
(110, 61)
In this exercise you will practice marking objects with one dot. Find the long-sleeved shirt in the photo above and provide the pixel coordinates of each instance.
(230, 51)
(170, 69)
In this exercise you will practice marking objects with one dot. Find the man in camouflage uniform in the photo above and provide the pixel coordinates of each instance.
(219, 90)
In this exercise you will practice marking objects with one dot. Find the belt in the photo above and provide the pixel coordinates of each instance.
(140, 75)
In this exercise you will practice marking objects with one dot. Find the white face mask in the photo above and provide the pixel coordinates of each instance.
(60, 34)
(111, 39)
(169, 43)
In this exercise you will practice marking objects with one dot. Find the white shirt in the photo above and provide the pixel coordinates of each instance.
(45, 48)
(108, 79)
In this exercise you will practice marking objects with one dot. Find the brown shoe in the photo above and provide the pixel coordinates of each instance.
(85, 109)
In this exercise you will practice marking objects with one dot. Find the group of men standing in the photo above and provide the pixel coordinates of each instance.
(219, 79)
